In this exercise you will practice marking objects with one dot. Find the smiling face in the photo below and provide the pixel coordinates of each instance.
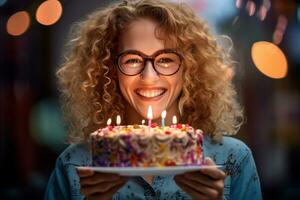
(148, 87)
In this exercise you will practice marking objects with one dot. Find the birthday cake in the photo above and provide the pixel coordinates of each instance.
(144, 146)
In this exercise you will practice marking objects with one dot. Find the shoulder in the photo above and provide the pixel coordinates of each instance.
(230, 152)
(226, 144)
(76, 154)
(233, 144)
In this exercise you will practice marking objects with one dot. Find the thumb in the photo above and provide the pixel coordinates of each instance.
(209, 161)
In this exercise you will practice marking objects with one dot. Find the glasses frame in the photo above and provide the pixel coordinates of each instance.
(146, 58)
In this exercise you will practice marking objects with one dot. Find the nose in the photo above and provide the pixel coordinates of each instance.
(149, 73)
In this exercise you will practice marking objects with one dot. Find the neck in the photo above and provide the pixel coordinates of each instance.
(133, 117)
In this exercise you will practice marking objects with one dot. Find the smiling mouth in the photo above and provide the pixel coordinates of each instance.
(150, 93)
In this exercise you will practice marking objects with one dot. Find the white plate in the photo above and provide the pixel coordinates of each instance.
(141, 171)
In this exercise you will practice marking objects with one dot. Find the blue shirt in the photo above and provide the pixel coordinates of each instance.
(241, 182)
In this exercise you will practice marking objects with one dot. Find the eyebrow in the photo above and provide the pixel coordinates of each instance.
(137, 51)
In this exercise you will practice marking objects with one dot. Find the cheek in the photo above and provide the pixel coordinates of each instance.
(124, 84)
(177, 83)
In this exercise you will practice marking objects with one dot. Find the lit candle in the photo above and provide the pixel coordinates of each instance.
(174, 120)
(118, 120)
(108, 123)
(163, 116)
(143, 122)
(150, 116)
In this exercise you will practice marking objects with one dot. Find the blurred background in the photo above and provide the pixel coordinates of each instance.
(266, 46)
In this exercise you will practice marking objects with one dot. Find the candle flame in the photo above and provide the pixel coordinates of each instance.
(149, 113)
(108, 122)
(163, 114)
(174, 120)
(118, 119)
(143, 122)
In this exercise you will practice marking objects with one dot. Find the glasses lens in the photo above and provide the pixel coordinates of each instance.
(131, 64)
(167, 63)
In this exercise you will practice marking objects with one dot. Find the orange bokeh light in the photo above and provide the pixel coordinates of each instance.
(18, 23)
(269, 59)
(49, 12)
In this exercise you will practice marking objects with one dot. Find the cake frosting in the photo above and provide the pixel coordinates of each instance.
(142, 146)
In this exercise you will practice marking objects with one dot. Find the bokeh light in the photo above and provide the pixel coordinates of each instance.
(280, 29)
(46, 124)
(251, 8)
(49, 12)
(262, 13)
(18, 23)
(266, 4)
(238, 3)
(269, 59)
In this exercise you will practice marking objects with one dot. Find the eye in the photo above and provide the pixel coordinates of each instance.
(132, 61)
(165, 60)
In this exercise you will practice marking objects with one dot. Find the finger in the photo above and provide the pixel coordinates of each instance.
(101, 187)
(213, 172)
(183, 180)
(112, 191)
(203, 179)
(209, 161)
(84, 172)
(99, 178)
(107, 195)
(212, 193)
(194, 194)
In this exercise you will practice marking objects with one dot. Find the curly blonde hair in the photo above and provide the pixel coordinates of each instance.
(89, 83)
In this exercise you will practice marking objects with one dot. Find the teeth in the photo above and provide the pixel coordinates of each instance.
(150, 93)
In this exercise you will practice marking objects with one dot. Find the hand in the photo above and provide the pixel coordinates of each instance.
(204, 184)
(96, 185)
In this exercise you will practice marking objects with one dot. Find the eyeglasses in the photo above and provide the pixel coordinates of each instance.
(165, 62)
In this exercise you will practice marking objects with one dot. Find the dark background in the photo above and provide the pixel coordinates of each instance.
(32, 129)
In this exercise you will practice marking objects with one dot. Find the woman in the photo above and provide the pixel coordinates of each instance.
(138, 53)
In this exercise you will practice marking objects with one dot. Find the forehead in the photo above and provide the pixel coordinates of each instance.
(145, 35)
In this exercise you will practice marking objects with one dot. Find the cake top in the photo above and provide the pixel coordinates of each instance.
(178, 130)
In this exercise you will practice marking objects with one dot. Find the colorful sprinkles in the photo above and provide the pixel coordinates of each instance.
(137, 146)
